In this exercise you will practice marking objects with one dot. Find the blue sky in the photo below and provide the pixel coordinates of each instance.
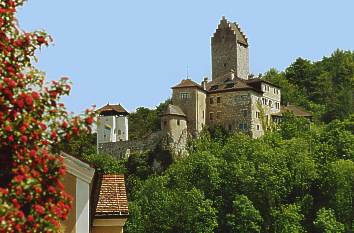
(132, 52)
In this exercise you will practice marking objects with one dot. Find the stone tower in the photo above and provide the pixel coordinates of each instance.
(191, 98)
(112, 124)
(229, 50)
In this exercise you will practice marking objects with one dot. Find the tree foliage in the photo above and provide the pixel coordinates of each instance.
(31, 118)
(324, 87)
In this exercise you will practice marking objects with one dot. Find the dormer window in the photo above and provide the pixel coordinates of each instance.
(213, 88)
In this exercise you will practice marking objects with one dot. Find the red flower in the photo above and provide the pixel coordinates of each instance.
(24, 138)
(39, 209)
(20, 103)
(30, 218)
(29, 100)
(11, 138)
(89, 120)
(35, 95)
(8, 128)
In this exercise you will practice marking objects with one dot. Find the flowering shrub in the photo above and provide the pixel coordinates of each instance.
(31, 119)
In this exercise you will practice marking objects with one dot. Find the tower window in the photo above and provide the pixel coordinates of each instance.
(185, 95)
(119, 132)
(218, 99)
(178, 122)
(225, 64)
(257, 127)
(257, 114)
(203, 114)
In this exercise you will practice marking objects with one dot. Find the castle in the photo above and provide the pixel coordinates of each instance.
(232, 99)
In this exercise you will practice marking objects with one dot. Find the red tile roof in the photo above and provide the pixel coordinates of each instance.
(187, 83)
(296, 110)
(112, 197)
(112, 108)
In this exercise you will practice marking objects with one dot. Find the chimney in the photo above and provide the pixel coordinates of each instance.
(204, 82)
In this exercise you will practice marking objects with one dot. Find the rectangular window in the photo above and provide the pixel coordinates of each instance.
(185, 95)
(257, 127)
(178, 123)
(211, 100)
(244, 112)
(270, 103)
(243, 126)
(257, 114)
(203, 114)
(119, 132)
(211, 116)
(218, 99)
(218, 115)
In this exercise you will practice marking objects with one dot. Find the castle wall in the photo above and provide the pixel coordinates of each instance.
(122, 149)
(223, 52)
(233, 112)
(121, 130)
(193, 107)
(105, 129)
(242, 70)
(201, 111)
(269, 102)
(175, 133)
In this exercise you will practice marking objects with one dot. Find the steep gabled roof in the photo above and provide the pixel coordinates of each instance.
(173, 110)
(188, 83)
(112, 108)
(112, 197)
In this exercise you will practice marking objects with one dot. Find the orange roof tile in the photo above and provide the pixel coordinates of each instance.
(112, 197)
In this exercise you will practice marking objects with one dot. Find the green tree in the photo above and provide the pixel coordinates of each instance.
(161, 209)
(326, 222)
(287, 219)
(244, 217)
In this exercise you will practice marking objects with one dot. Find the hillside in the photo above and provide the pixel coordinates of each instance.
(297, 178)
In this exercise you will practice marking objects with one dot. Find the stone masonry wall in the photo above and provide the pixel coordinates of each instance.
(193, 107)
(234, 109)
(242, 62)
(124, 148)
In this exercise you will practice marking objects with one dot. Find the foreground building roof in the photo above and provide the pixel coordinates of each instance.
(112, 197)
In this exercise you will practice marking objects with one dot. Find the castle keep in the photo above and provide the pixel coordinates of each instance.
(231, 99)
